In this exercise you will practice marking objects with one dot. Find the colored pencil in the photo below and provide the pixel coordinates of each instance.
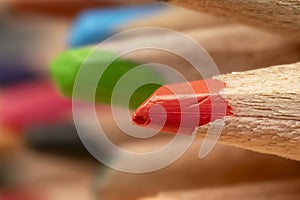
(233, 48)
(65, 8)
(33, 103)
(12, 72)
(66, 66)
(225, 166)
(277, 16)
(96, 25)
(260, 109)
(284, 189)
(60, 139)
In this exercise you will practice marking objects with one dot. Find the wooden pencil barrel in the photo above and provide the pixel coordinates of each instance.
(280, 16)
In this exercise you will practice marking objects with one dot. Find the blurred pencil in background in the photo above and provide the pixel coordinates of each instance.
(65, 8)
(32, 103)
(94, 26)
(285, 189)
(225, 166)
(62, 139)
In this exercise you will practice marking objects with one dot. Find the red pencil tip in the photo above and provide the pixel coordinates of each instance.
(183, 107)
(141, 117)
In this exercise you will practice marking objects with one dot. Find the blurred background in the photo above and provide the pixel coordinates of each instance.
(41, 155)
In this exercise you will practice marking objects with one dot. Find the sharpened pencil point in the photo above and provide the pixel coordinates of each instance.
(183, 107)
(141, 120)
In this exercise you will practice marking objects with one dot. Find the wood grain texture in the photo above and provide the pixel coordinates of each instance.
(266, 110)
(281, 16)
(286, 189)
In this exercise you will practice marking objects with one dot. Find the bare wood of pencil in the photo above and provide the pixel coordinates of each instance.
(286, 189)
(281, 16)
(232, 47)
(178, 19)
(266, 110)
(225, 165)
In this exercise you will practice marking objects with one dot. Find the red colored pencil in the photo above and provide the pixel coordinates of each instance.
(177, 100)
(32, 103)
(56, 7)
(259, 109)
(68, 8)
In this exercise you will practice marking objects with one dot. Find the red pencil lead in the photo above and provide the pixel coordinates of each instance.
(180, 108)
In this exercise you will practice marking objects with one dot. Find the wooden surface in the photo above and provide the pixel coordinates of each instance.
(280, 16)
(266, 110)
